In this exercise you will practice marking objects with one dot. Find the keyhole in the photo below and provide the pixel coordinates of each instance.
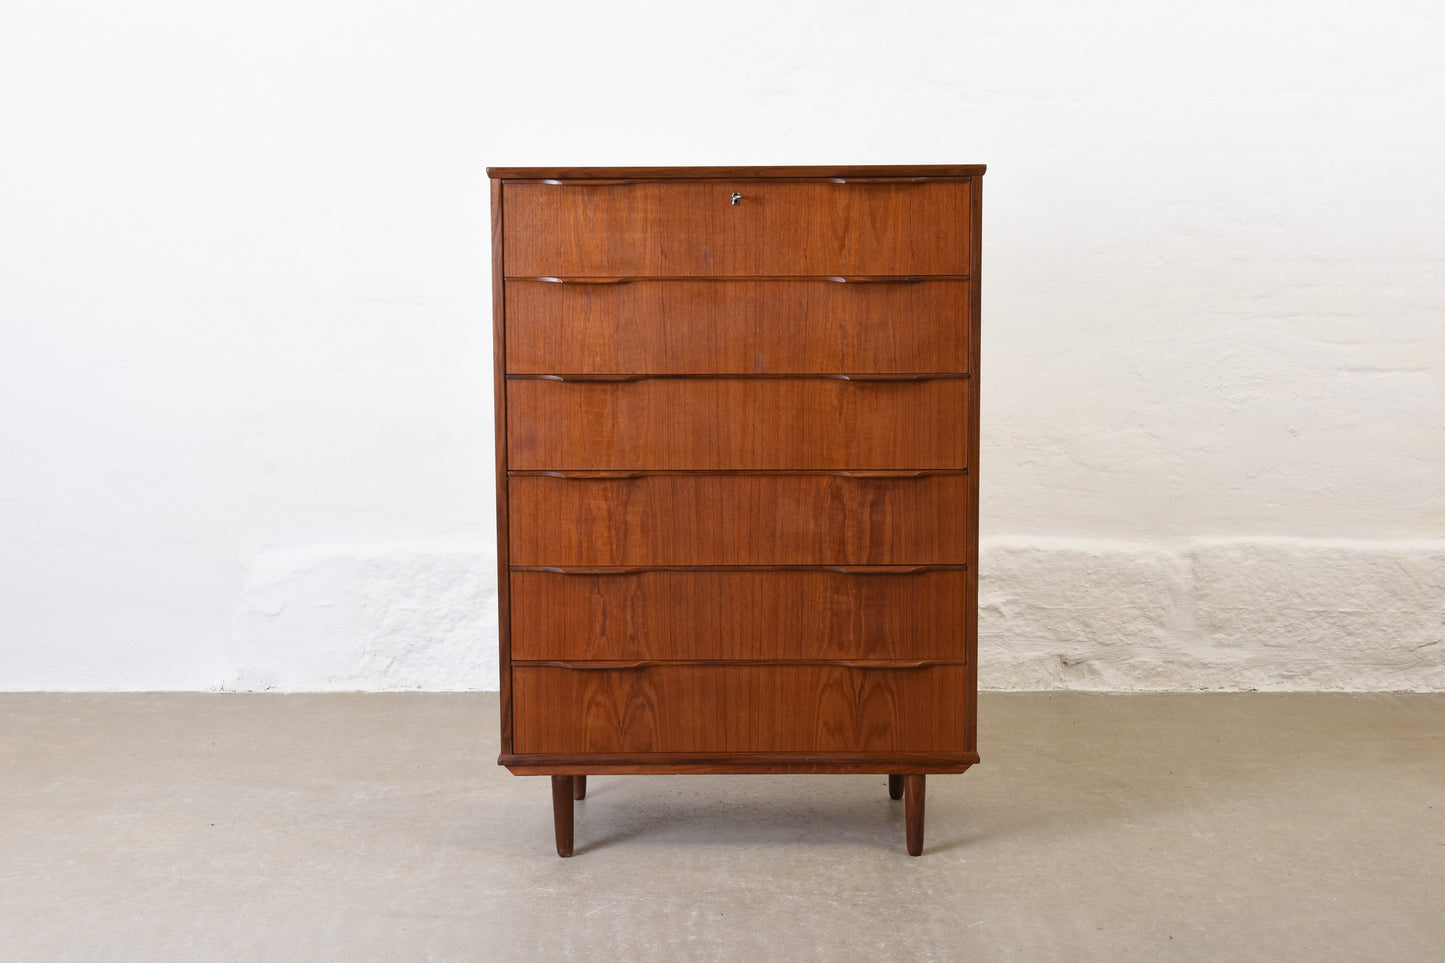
(737, 198)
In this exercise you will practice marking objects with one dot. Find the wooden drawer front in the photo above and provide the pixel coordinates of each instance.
(738, 520)
(739, 424)
(692, 228)
(713, 614)
(735, 327)
(738, 708)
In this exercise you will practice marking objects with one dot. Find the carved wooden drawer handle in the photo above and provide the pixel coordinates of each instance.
(587, 378)
(882, 180)
(928, 376)
(591, 475)
(586, 570)
(923, 473)
(876, 279)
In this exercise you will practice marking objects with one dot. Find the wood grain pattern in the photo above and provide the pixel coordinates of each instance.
(499, 384)
(714, 424)
(777, 708)
(806, 227)
(666, 173)
(730, 327)
(971, 506)
(720, 614)
(738, 520)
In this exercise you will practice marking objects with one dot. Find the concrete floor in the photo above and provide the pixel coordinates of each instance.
(376, 827)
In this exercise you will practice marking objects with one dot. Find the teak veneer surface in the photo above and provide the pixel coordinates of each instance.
(726, 424)
(739, 614)
(773, 708)
(784, 228)
(499, 408)
(738, 519)
(737, 326)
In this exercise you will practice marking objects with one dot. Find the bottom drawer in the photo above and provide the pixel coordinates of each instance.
(738, 708)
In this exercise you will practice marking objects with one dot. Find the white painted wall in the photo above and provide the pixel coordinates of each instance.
(245, 415)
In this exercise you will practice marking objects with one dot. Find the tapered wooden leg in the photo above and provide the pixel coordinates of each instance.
(913, 812)
(562, 813)
(895, 787)
(579, 787)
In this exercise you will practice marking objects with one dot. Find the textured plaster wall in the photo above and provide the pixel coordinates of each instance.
(245, 408)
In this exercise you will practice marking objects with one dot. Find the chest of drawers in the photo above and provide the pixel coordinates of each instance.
(737, 446)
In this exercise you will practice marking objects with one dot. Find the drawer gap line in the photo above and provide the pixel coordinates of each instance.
(831, 278)
(583, 474)
(828, 569)
(609, 665)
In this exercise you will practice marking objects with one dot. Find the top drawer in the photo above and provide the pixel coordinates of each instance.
(777, 228)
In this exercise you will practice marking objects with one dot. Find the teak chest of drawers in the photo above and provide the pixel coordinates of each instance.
(737, 490)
